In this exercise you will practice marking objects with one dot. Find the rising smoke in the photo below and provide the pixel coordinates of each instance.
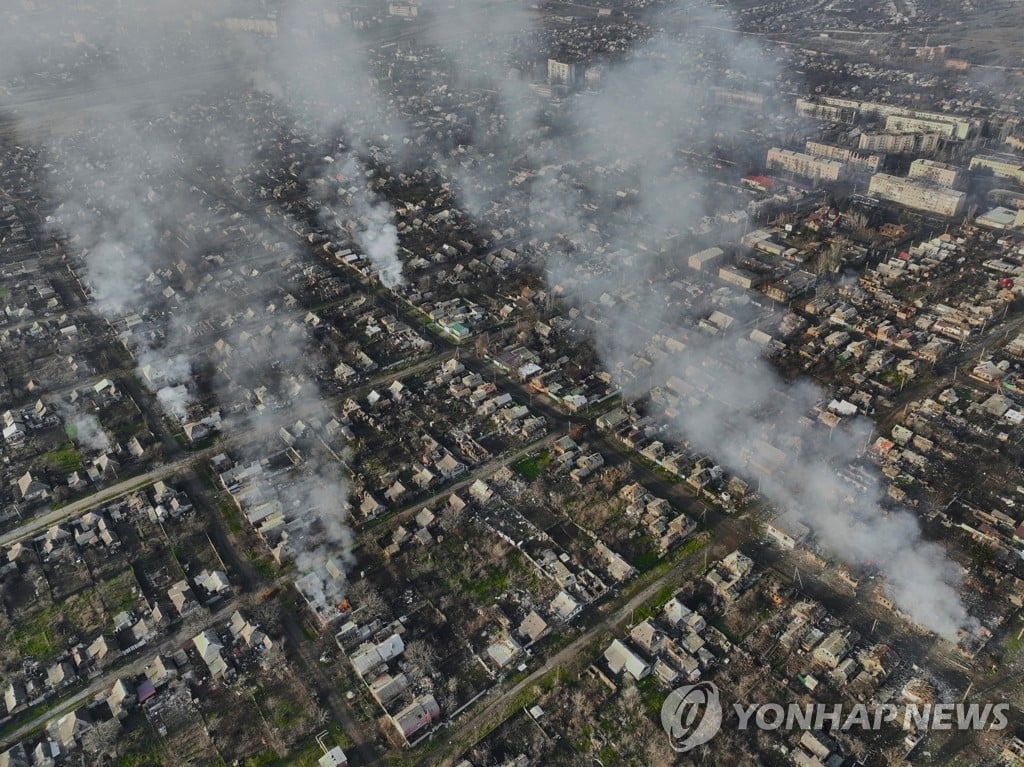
(188, 281)
(718, 395)
(624, 139)
(87, 431)
(367, 218)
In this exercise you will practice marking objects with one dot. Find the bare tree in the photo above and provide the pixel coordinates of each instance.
(321, 716)
(102, 738)
(611, 478)
(894, 755)
(659, 751)
(421, 656)
(364, 596)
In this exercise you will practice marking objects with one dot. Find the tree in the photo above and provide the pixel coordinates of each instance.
(102, 738)
(421, 656)
(364, 596)
(831, 258)
(894, 755)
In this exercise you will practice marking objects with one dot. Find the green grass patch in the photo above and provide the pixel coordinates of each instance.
(1013, 643)
(140, 759)
(652, 694)
(648, 557)
(307, 755)
(33, 645)
(129, 429)
(494, 581)
(119, 593)
(33, 635)
(232, 516)
(728, 633)
(531, 466)
(262, 759)
(65, 459)
(265, 569)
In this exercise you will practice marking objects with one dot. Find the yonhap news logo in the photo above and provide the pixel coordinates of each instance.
(692, 715)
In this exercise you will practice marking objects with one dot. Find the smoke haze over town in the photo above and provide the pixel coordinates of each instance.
(427, 345)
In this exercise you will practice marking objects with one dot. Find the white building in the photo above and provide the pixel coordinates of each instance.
(806, 165)
(935, 172)
(917, 195)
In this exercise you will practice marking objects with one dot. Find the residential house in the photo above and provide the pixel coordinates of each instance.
(419, 714)
(565, 607)
(621, 658)
(208, 646)
(832, 649)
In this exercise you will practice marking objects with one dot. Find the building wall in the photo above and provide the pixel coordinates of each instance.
(1001, 165)
(400, 9)
(917, 195)
(935, 172)
(905, 124)
(266, 27)
(805, 165)
(561, 72)
(899, 143)
(858, 160)
(826, 112)
(740, 277)
(706, 259)
(736, 98)
(847, 110)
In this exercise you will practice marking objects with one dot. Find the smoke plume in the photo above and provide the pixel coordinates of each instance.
(621, 265)
(608, 182)
(88, 431)
(150, 189)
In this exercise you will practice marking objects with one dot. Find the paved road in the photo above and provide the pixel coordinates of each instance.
(495, 708)
(480, 472)
(322, 680)
(41, 522)
(105, 681)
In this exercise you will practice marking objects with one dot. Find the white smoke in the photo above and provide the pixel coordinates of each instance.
(169, 377)
(124, 192)
(175, 401)
(378, 238)
(374, 231)
(88, 432)
(732, 404)
(649, 109)
(322, 539)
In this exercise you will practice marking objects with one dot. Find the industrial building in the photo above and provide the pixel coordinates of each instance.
(1001, 218)
(792, 285)
(706, 259)
(738, 276)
